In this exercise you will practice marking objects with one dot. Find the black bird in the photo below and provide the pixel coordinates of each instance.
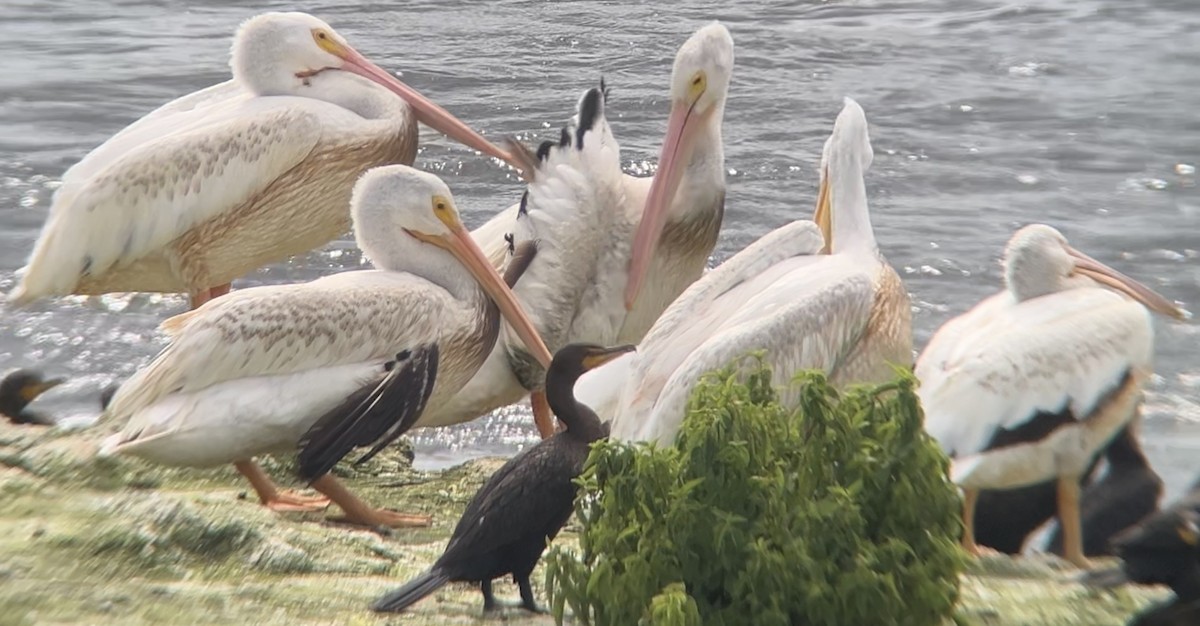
(1128, 492)
(1162, 550)
(521, 508)
(18, 389)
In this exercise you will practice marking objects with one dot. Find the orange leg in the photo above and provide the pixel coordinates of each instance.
(1068, 517)
(970, 497)
(272, 497)
(543, 418)
(362, 514)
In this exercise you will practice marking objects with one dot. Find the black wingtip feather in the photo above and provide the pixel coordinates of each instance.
(378, 412)
(590, 110)
(524, 208)
(543, 151)
(564, 139)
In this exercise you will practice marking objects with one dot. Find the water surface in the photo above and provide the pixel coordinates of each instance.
(984, 115)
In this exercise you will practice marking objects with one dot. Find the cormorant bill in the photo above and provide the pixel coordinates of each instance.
(18, 389)
(521, 508)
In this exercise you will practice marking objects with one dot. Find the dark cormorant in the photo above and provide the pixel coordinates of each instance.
(521, 508)
(1128, 492)
(1162, 550)
(18, 389)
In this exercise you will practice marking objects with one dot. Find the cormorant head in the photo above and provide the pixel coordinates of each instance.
(20, 387)
(574, 359)
(1162, 548)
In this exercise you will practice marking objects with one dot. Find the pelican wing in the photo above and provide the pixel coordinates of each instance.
(677, 330)
(348, 318)
(808, 319)
(571, 208)
(156, 188)
(377, 413)
(1007, 363)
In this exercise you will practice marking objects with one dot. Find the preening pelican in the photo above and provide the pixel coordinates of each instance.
(227, 179)
(812, 295)
(360, 354)
(676, 215)
(1034, 381)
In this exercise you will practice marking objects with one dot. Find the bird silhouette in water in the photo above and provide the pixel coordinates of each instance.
(521, 508)
(18, 389)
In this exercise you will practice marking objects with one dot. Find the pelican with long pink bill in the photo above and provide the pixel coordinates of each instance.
(810, 295)
(347, 360)
(679, 211)
(1035, 381)
(225, 180)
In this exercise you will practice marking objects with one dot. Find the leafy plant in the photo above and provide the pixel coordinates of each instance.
(836, 513)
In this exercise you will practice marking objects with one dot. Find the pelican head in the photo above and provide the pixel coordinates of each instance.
(395, 203)
(281, 53)
(845, 158)
(1039, 261)
(699, 84)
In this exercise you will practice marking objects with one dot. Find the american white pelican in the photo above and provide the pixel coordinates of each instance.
(251, 372)
(812, 295)
(227, 179)
(1034, 381)
(675, 216)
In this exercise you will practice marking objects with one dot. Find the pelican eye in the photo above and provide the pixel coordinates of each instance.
(326, 42)
(697, 85)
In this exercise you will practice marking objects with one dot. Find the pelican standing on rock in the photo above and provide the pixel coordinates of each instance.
(251, 372)
(812, 295)
(225, 180)
(1032, 383)
(674, 218)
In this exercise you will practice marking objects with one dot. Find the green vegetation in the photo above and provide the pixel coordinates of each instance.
(122, 542)
(836, 513)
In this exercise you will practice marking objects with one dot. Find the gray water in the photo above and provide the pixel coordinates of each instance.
(984, 115)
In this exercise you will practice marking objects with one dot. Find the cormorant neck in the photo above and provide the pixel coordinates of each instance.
(1124, 451)
(12, 405)
(580, 420)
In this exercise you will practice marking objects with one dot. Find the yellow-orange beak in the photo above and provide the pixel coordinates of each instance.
(426, 110)
(1110, 277)
(463, 247)
(823, 215)
(672, 161)
(599, 357)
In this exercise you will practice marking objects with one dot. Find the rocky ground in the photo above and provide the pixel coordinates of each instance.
(102, 541)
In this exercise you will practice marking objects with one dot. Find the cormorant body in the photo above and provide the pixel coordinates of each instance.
(523, 506)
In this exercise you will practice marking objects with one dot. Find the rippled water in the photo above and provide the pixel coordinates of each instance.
(984, 115)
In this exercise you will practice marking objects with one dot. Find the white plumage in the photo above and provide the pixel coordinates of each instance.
(680, 211)
(229, 178)
(1034, 381)
(252, 372)
(844, 312)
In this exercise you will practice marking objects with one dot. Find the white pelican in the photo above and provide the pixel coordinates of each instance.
(678, 211)
(227, 179)
(812, 295)
(1034, 381)
(250, 373)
